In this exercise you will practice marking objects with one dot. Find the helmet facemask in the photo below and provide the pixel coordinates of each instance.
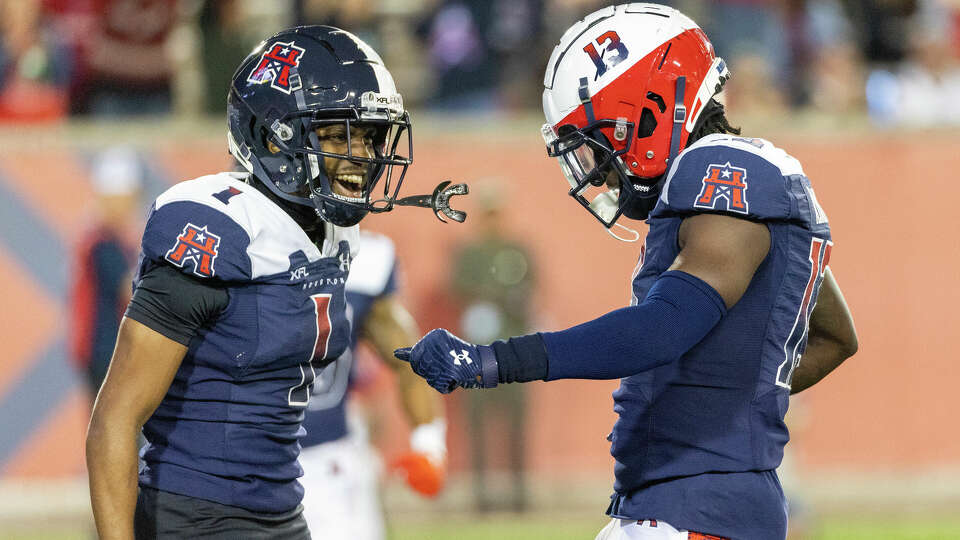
(591, 166)
(391, 147)
(309, 78)
(292, 160)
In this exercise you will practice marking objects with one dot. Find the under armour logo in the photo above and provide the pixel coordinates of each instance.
(463, 356)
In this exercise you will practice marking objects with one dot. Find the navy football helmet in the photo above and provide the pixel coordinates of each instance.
(305, 78)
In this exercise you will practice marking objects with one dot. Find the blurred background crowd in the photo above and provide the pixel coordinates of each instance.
(898, 60)
(105, 103)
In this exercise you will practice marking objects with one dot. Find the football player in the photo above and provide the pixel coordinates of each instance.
(340, 469)
(731, 290)
(239, 298)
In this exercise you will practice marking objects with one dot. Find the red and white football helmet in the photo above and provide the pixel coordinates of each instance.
(622, 92)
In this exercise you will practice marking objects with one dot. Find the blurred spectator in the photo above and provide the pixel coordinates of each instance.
(122, 63)
(520, 51)
(835, 68)
(103, 262)
(35, 64)
(752, 35)
(358, 17)
(880, 27)
(225, 45)
(458, 50)
(924, 89)
(493, 281)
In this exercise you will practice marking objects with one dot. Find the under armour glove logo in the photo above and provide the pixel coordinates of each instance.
(430, 358)
(464, 356)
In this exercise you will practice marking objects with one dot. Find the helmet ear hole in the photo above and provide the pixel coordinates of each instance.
(658, 99)
(648, 124)
(264, 137)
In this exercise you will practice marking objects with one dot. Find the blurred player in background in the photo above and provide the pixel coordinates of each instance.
(493, 280)
(340, 468)
(105, 260)
(239, 298)
(731, 289)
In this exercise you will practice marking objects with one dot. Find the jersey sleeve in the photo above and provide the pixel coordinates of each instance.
(196, 238)
(741, 177)
(174, 304)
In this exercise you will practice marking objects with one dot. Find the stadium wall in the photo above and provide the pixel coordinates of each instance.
(891, 408)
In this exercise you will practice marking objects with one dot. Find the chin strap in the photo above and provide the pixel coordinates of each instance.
(634, 234)
(679, 118)
(584, 93)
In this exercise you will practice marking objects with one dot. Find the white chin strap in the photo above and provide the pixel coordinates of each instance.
(634, 235)
(606, 206)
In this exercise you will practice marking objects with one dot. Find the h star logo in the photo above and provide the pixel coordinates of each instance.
(197, 245)
(724, 183)
(274, 66)
(464, 356)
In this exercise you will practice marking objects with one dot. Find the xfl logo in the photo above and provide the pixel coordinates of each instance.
(724, 183)
(602, 60)
(275, 64)
(459, 359)
(197, 245)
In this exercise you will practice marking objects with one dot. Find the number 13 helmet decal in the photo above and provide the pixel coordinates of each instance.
(622, 92)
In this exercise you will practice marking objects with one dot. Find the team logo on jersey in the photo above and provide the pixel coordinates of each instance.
(275, 64)
(196, 245)
(724, 183)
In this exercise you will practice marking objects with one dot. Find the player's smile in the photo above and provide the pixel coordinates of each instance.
(348, 184)
(347, 179)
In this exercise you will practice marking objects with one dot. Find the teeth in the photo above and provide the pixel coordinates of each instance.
(353, 179)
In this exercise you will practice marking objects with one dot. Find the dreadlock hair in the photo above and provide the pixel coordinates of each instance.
(713, 119)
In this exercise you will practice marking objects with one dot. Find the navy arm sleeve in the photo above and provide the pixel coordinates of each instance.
(677, 313)
(174, 304)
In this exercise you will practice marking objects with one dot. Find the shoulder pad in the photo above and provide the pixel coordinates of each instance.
(219, 227)
(738, 176)
(374, 265)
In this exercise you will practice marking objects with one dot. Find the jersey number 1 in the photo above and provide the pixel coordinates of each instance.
(299, 395)
(819, 259)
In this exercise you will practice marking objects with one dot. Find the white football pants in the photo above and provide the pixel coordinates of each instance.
(341, 491)
(632, 529)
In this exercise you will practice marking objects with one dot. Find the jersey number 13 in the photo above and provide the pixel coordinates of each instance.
(792, 349)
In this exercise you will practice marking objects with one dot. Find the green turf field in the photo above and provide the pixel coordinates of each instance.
(543, 527)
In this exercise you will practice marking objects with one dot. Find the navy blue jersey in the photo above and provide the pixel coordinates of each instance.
(697, 441)
(372, 276)
(228, 428)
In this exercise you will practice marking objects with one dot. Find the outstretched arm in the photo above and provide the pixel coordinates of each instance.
(717, 260)
(143, 365)
(831, 340)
